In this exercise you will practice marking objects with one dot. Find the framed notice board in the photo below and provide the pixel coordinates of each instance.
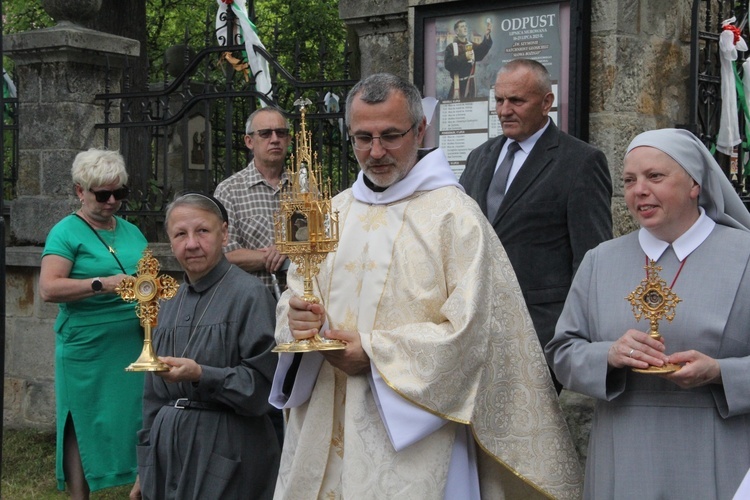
(555, 33)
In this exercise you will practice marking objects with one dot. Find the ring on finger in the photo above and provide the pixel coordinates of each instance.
(630, 354)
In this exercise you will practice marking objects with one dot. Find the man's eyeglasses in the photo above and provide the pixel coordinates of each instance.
(119, 194)
(265, 133)
(364, 142)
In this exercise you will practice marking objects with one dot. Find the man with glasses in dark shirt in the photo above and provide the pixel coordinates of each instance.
(251, 196)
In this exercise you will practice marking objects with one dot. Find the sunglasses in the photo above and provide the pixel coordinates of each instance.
(119, 194)
(265, 133)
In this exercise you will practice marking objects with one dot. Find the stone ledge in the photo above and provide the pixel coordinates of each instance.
(355, 9)
(68, 43)
(23, 256)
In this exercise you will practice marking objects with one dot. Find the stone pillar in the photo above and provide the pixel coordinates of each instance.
(640, 73)
(60, 70)
(384, 37)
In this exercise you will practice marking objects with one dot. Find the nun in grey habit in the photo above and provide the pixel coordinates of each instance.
(206, 427)
(684, 434)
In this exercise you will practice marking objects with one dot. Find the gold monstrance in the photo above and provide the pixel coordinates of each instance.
(654, 300)
(305, 227)
(147, 288)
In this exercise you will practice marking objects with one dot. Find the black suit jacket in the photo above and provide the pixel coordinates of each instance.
(555, 210)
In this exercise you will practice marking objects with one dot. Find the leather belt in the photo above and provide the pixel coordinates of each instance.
(188, 404)
(701, 398)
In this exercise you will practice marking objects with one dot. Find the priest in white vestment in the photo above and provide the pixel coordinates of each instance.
(442, 391)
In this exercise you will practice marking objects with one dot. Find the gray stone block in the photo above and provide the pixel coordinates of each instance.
(33, 216)
(29, 83)
(19, 292)
(31, 354)
(55, 172)
(30, 164)
(23, 256)
(13, 389)
(385, 52)
(629, 15)
(75, 82)
(578, 410)
(603, 16)
(75, 132)
(612, 132)
(39, 404)
(356, 9)
(624, 223)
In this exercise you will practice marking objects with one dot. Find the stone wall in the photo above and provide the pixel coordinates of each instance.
(60, 70)
(29, 344)
(640, 61)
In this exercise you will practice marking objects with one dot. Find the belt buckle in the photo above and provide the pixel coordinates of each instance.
(181, 403)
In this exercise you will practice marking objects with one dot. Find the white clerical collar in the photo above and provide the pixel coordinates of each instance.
(684, 245)
(431, 172)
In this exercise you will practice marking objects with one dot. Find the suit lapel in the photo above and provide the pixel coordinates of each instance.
(539, 158)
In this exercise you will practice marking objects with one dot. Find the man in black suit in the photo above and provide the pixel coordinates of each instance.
(557, 196)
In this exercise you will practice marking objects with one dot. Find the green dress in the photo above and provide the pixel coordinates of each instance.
(96, 338)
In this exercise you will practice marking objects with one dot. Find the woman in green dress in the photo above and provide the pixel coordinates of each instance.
(87, 254)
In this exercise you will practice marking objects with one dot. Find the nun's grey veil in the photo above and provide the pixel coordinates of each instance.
(717, 196)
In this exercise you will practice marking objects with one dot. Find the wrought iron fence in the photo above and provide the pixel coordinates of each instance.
(187, 132)
(10, 148)
(9, 143)
(705, 84)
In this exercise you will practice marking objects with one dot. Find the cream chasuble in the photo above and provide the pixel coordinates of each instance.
(427, 285)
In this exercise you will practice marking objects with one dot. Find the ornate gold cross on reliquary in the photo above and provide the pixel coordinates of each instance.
(148, 288)
(654, 300)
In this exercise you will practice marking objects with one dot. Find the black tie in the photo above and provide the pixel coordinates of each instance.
(496, 192)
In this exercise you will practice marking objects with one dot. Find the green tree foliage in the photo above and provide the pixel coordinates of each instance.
(306, 28)
(20, 15)
(290, 29)
(169, 22)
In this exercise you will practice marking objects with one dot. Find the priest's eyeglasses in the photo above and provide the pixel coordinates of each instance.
(119, 194)
(363, 142)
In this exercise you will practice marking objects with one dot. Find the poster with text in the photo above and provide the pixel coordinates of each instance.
(463, 54)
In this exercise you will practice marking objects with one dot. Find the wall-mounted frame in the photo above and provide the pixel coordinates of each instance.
(199, 134)
(553, 32)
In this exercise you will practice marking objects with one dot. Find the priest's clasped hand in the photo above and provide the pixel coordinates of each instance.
(306, 319)
(353, 360)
